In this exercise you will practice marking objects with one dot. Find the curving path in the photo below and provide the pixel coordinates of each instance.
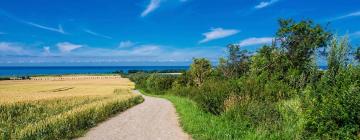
(154, 119)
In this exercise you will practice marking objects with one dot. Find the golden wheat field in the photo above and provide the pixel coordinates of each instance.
(60, 107)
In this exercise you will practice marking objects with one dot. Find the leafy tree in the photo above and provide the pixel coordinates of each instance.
(357, 54)
(338, 56)
(200, 69)
(184, 80)
(332, 105)
(237, 63)
(300, 40)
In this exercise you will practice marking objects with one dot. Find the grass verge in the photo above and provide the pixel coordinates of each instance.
(205, 126)
(201, 125)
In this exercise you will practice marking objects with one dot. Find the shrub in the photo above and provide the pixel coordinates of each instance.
(333, 104)
(159, 83)
(333, 110)
(184, 91)
(213, 94)
(139, 78)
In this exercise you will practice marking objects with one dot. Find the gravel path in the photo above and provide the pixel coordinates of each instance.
(154, 119)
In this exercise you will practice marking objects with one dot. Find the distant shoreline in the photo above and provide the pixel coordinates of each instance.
(18, 71)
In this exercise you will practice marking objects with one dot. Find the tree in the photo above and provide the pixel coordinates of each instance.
(236, 64)
(300, 40)
(338, 56)
(357, 54)
(200, 69)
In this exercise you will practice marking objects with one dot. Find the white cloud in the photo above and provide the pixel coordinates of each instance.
(146, 50)
(353, 14)
(137, 55)
(264, 4)
(218, 33)
(58, 30)
(11, 48)
(97, 34)
(66, 47)
(126, 44)
(255, 41)
(154, 4)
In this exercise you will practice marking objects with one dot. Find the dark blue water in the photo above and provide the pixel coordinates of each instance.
(56, 70)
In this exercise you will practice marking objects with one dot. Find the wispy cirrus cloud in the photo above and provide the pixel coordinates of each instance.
(264, 4)
(59, 29)
(353, 14)
(66, 47)
(153, 5)
(255, 41)
(218, 33)
(97, 34)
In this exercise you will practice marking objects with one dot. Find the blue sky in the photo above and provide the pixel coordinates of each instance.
(153, 32)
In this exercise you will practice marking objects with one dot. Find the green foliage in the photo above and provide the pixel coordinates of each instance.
(200, 69)
(212, 95)
(159, 83)
(300, 40)
(277, 93)
(237, 63)
(184, 80)
(338, 56)
(333, 105)
(139, 78)
(357, 54)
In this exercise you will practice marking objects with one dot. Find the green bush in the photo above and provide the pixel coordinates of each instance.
(333, 106)
(139, 78)
(159, 83)
(213, 94)
(182, 91)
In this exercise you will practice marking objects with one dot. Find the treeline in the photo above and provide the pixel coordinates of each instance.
(279, 92)
(148, 71)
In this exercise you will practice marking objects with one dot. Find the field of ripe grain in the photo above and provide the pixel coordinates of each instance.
(62, 106)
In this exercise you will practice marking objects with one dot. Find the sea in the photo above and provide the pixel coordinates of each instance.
(59, 70)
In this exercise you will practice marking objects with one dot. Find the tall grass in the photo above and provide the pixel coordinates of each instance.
(74, 122)
(37, 110)
(231, 125)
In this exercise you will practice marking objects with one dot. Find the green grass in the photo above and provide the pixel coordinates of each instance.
(205, 126)
(201, 125)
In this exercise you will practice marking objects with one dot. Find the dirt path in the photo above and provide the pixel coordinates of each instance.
(154, 119)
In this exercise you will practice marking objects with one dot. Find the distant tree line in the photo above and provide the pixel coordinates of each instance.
(149, 71)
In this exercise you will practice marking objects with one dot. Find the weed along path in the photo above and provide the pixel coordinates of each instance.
(154, 119)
